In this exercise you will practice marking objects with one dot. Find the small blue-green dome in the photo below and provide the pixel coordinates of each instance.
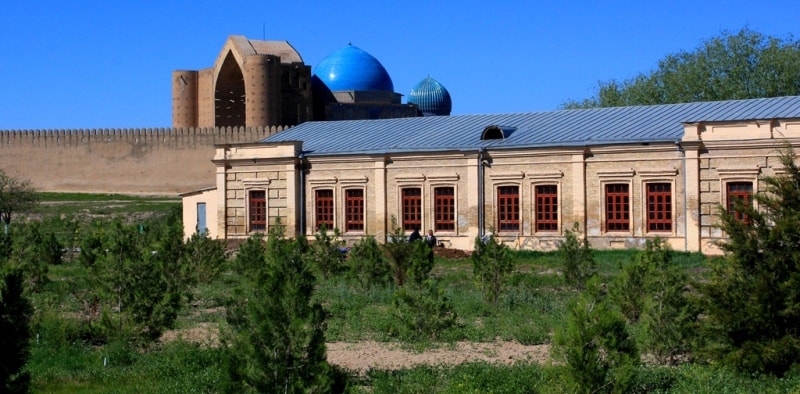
(350, 68)
(431, 97)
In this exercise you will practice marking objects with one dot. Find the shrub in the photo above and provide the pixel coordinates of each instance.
(422, 310)
(367, 264)
(138, 277)
(276, 341)
(576, 252)
(32, 251)
(751, 299)
(492, 262)
(600, 354)
(405, 258)
(324, 253)
(203, 257)
(15, 316)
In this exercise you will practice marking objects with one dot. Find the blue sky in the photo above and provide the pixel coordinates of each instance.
(108, 64)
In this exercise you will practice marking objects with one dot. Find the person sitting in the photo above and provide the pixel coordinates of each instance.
(414, 236)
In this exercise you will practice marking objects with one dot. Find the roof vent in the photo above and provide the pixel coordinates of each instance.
(497, 132)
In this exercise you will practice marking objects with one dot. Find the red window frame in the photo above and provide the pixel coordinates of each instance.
(546, 207)
(618, 207)
(354, 210)
(444, 208)
(412, 208)
(323, 204)
(257, 210)
(738, 191)
(659, 207)
(508, 208)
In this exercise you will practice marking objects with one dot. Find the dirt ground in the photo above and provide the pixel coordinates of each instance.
(360, 357)
(363, 356)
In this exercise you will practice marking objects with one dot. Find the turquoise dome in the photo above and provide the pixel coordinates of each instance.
(350, 68)
(431, 97)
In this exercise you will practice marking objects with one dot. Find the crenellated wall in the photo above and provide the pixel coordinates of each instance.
(159, 161)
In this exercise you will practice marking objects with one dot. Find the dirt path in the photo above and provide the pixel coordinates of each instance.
(363, 356)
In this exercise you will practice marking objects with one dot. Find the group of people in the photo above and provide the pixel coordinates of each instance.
(430, 238)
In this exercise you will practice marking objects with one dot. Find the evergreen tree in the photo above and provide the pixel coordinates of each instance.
(576, 252)
(600, 354)
(653, 290)
(407, 259)
(324, 253)
(276, 341)
(492, 262)
(367, 264)
(32, 251)
(15, 315)
(752, 298)
(138, 277)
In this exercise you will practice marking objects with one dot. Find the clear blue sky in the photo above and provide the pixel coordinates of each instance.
(108, 64)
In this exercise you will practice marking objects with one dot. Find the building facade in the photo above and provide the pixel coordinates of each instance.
(622, 175)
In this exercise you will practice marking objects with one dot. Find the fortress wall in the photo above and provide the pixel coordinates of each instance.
(160, 161)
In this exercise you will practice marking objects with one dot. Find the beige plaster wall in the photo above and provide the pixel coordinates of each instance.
(190, 219)
(696, 169)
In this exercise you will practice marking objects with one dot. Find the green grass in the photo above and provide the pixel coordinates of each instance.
(65, 359)
(61, 204)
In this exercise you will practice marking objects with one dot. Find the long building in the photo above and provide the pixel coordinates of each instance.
(622, 175)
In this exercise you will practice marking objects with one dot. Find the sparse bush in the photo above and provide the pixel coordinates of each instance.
(138, 277)
(422, 310)
(367, 263)
(276, 341)
(576, 252)
(251, 256)
(407, 259)
(203, 257)
(492, 262)
(600, 354)
(324, 253)
(32, 251)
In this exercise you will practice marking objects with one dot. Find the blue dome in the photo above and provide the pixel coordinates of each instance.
(431, 97)
(350, 68)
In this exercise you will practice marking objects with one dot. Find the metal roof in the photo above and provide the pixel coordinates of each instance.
(578, 127)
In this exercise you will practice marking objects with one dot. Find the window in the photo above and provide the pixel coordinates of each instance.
(659, 207)
(258, 210)
(201, 218)
(323, 202)
(412, 209)
(444, 209)
(354, 210)
(617, 207)
(738, 191)
(508, 208)
(546, 207)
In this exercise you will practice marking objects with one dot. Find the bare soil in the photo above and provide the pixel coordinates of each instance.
(361, 357)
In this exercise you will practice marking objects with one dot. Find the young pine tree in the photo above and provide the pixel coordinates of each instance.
(653, 291)
(276, 341)
(15, 315)
(579, 264)
(492, 262)
(752, 299)
(600, 354)
(367, 264)
(324, 253)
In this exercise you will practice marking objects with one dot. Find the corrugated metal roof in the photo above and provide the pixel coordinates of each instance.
(616, 125)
